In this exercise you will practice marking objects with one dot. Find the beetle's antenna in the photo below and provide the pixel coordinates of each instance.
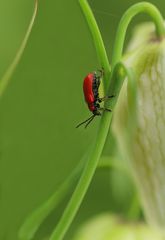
(87, 120)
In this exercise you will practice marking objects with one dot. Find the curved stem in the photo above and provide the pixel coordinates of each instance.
(95, 154)
(82, 185)
(93, 159)
(135, 209)
(131, 86)
(145, 7)
(97, 39)
(131, 99)
(6, 77)
(109, 163)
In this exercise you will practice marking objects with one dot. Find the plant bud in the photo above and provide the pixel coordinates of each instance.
(106, 227)
(141, 133)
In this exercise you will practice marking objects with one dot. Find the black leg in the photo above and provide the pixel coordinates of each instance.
(105, 109)
(111, 96)
(105, 98)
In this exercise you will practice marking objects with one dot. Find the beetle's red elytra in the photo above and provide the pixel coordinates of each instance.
(91, 94)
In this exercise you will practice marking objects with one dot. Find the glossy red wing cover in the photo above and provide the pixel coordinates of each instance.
(88, 91)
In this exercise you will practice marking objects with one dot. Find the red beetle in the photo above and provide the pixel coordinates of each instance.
(91, 93)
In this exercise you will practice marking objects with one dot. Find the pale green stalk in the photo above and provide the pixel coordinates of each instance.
(87, 174)
(141, 7)
(8, 74)
(97, 40)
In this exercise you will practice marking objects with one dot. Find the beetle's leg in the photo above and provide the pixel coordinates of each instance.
(105, 98)
(105, 109)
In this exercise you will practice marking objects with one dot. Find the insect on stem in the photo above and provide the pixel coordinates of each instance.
(91, 93)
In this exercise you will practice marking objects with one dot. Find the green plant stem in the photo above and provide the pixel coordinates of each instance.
(90, 167)
(109, 163)
(82, 185)
(88, 171)
(115, 87)
(135, 208)
(6, 77)
(97, 39)
(145, 7)
(95, 154)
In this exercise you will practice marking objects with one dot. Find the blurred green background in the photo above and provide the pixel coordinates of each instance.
(39, 144)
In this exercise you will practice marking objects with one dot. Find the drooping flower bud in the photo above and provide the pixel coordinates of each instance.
(144, 146)
(106, 227)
